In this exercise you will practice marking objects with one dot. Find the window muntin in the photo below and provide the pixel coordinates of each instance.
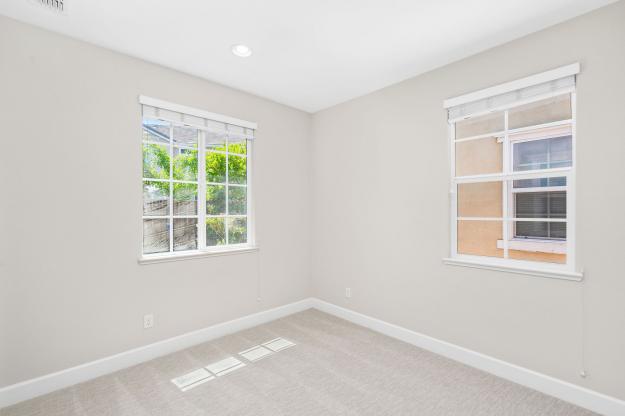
(177, 198)
(511, 173)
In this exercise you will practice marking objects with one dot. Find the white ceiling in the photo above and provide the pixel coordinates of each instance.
(309, 54)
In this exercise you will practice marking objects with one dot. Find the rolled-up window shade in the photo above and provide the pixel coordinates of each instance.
(512, 93)
(216, 124)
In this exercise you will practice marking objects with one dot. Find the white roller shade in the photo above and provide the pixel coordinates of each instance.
(216, 123)
(513, 93)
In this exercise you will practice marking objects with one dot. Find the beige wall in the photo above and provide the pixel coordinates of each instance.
(72, 154)
(381, 212)
(379, 208)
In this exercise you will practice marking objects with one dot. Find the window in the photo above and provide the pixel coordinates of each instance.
(196, 182)
(512, 174)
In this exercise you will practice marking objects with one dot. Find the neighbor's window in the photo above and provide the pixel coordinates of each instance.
(195, 184)
(512, 172)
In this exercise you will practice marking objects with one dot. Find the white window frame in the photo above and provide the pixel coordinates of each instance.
(202, 250)
(542, 269)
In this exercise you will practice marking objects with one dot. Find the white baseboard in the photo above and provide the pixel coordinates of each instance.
(569, 392)
(42, 385)
(563, 390)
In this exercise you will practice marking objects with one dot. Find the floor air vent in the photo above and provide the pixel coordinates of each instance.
(278, 344)
(192, 379)
(230, 364)
(223, 367)
(255, 353)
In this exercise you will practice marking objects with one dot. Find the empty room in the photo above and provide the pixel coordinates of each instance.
(358, 207)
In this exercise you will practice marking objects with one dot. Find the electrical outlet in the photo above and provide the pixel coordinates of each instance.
(348, 292)
(148, 321)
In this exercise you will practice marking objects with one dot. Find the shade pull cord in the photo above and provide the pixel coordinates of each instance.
(583, 373)
(258, 278)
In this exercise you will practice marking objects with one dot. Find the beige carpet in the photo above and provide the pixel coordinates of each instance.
(336, 368)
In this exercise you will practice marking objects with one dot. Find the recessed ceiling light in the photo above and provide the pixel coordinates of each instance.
(241, 50)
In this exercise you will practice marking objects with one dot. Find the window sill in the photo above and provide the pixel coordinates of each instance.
(167, 257)
(550, 272)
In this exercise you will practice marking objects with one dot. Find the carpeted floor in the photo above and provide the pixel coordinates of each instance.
(336, 368)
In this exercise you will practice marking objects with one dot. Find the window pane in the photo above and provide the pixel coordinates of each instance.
(185, 199)
(539, 182)
(185, 234)
(215, 199)
(237, 230)
(561, 152)
(529, 229)
(540, 204)
(185, 164)
(216, 140)
(237, 134)
(484, 199)
(540, 230)
(215, 231)
(237, 169)
(527, 255)
(155, 161)
(480, 156)
(543, 154)
(541, 112)
(531, 205)
(155, 236)
(476, 126)
(479, 238)
(557, 230)
(155, 198)
(185, 136)
(237, 200)
(156, 131)
(237, 145)
(539, 246)
(215, 167)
